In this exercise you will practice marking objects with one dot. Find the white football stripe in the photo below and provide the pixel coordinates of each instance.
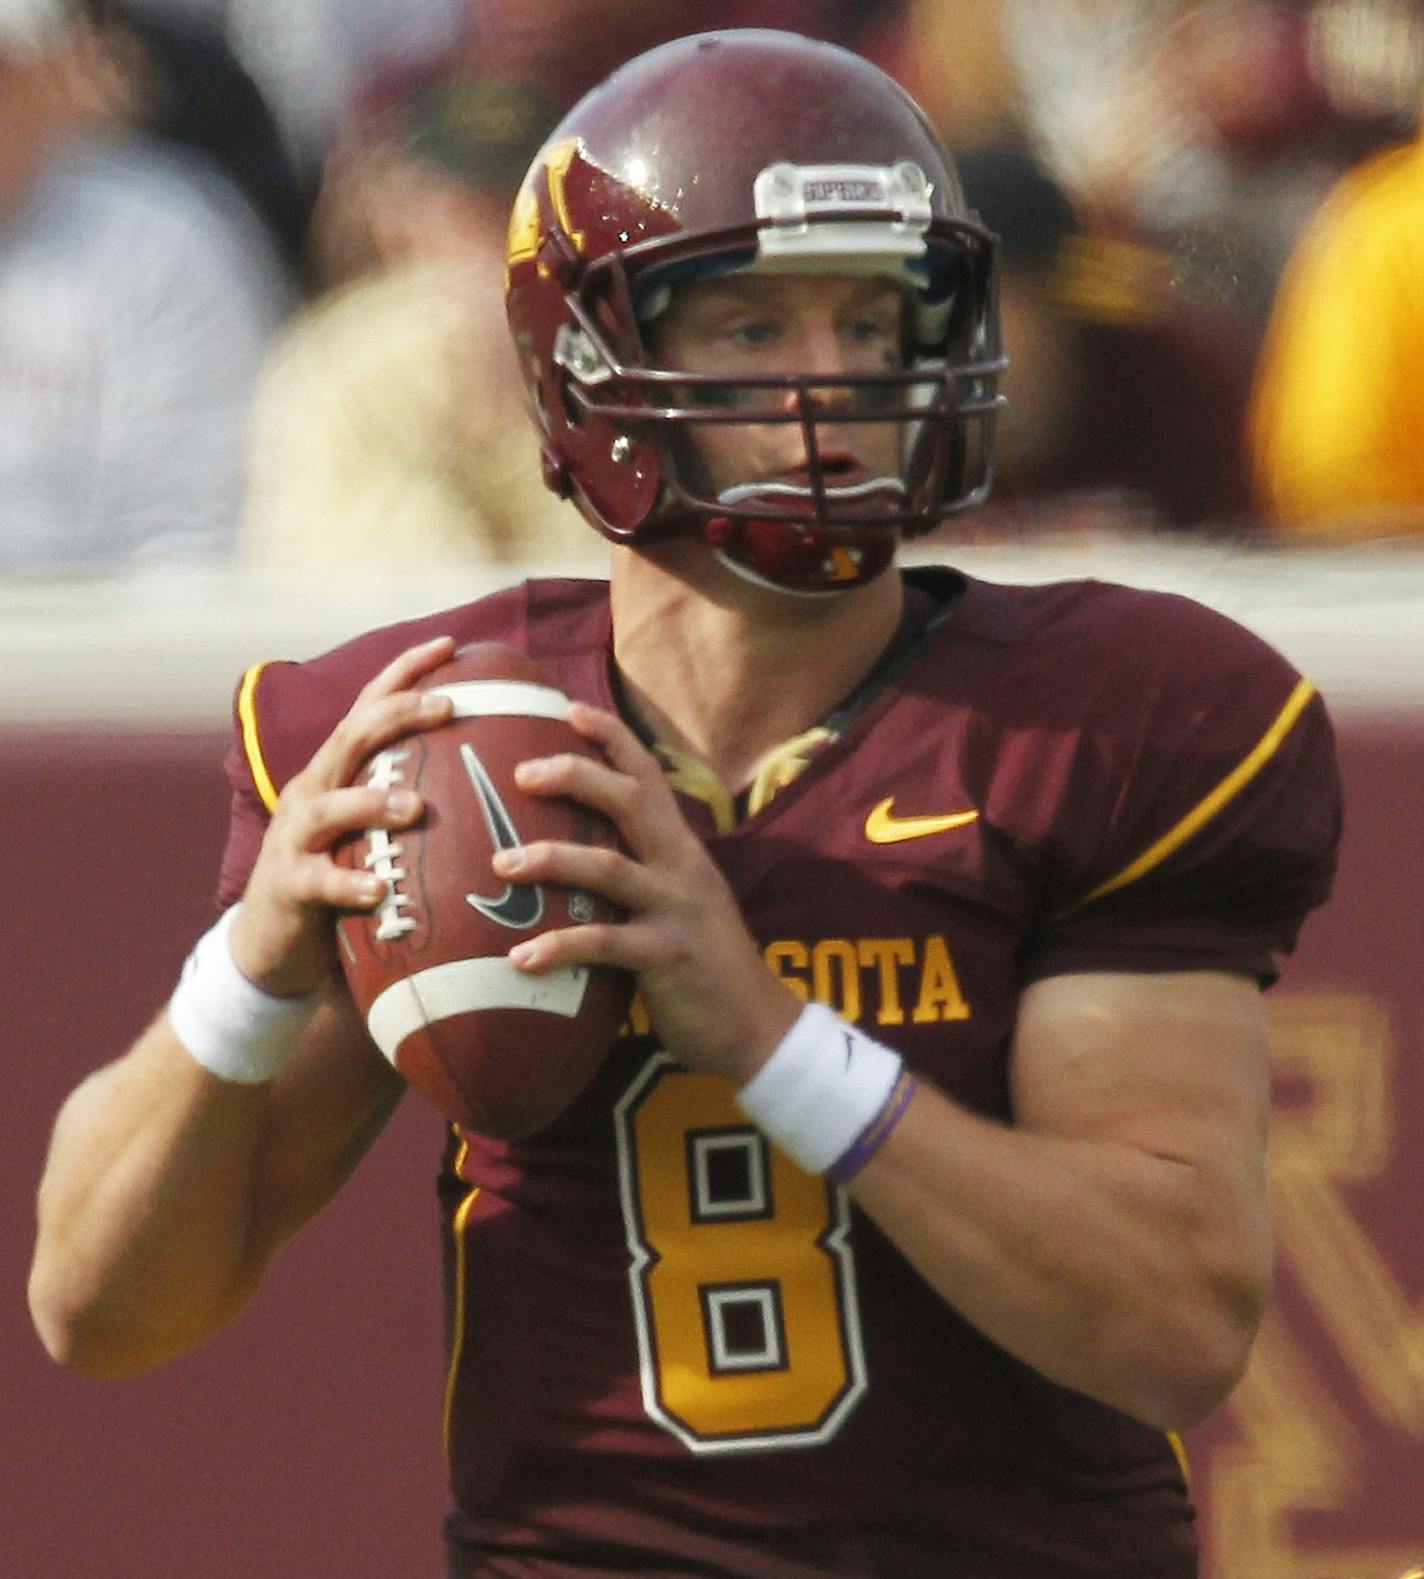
(504, 699)
(465, 984)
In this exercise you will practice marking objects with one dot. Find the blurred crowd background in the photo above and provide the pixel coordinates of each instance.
(251, 259)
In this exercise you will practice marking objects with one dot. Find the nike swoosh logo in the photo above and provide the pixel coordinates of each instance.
(881, 827)
(521, 905)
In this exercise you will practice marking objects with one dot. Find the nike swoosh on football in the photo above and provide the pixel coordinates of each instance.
(881, 827)
(521, 904)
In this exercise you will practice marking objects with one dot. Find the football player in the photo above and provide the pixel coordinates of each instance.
(922, 1200)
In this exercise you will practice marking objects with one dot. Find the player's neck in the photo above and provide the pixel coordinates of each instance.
(727, 671)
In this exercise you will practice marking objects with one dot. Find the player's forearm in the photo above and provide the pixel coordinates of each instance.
(145, 1209)
(1120, 1274)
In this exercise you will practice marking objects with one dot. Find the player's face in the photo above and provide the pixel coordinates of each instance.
(821, 326)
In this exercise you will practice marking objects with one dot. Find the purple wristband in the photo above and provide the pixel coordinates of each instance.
(876, 1132)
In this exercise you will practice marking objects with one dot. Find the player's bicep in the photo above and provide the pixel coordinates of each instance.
(329, 1103)
(1174, 1063)
(1166, 1077)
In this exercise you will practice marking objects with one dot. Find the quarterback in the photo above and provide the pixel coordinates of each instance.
(921, 1202)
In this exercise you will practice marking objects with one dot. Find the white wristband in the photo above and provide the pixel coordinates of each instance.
(823, 1088)
(227, 1024)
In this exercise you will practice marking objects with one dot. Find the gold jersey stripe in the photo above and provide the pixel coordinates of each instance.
(1202, 813)
(457, 1334)
(1179, 1452)
(251, 739)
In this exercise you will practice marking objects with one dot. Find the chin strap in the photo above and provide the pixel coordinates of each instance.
(802, 558)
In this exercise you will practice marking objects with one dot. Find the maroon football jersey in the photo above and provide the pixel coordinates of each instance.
(673, 1351)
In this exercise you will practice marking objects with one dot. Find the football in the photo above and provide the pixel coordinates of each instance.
(498, 1051)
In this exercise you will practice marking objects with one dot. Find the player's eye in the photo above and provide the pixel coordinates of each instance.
(752, 332)
(873, 329)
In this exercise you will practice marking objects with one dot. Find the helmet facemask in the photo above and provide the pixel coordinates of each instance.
(836, 528)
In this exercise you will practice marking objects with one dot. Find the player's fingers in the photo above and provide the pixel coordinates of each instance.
(317, 822)
(385, 708)
(644, 811)
(620, 944)
(296, 871)
(607, 872)
(315, 882)
(619, 744)
(372, 723)
(407, 667)
(631, 792)
(580, 778)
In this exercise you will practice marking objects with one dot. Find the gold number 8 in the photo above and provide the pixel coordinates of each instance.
(742, 1272)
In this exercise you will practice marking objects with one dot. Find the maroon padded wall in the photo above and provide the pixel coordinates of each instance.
(303, 1443)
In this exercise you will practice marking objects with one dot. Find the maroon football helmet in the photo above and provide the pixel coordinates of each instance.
(763, 151)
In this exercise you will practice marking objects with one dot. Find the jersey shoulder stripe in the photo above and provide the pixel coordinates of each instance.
(1208, 807)
(251, 738)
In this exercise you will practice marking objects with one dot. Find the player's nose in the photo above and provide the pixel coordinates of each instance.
(820, 355)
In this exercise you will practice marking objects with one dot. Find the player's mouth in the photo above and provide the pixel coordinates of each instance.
(838, 469)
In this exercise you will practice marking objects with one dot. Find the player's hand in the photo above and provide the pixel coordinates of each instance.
(283, 938)
(712, 1000)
